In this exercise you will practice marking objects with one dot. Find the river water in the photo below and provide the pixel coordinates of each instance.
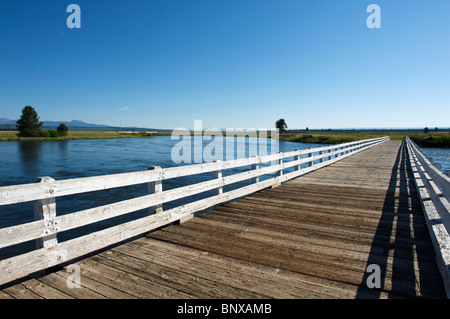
(439, 155)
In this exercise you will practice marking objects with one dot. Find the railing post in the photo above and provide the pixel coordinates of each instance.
(310, 163)
(280, 162)
(321, 153)
(216, 175)
(255, 167)
(45, 209)
(154, 188)
(297, 159)
(279, 172)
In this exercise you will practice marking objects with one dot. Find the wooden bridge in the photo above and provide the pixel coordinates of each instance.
(303, 233)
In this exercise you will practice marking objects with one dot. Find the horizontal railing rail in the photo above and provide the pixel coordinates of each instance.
(433, 188)
(47, 224)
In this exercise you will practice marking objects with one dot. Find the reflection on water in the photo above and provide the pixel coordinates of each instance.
(29, 155)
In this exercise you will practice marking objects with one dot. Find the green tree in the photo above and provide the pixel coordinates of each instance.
(53, 133)
(426, 130)
(28, 125)
(62, 129)
(281, 125)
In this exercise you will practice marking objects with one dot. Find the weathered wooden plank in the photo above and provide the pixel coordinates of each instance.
(90, 284)
(351, 239)
(272, 239)
(317, 215)
(119, 283)
(19, 291)
(4, 295)
(186, 283)
(232, 274)
(44, 291)
(305, 235)
(58, 281)
(173, 273)
(150, 286)
(297, 284)
(311, 245)
(339, 269)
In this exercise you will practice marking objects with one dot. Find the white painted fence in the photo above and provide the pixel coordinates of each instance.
(48, 224)
(434, 192)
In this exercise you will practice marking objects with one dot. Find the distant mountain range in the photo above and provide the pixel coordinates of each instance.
(73, 125)
(6, 121)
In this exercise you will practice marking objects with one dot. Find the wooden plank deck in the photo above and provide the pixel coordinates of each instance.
(312, 237)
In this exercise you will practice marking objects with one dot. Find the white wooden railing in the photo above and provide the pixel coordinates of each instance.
(47, 225)
(434, 193)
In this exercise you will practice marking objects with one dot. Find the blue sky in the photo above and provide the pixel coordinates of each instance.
(230, 63)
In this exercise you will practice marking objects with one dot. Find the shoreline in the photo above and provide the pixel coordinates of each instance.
(428, 140)
(11, 136)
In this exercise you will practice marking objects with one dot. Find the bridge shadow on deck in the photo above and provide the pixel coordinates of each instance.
(401, 246)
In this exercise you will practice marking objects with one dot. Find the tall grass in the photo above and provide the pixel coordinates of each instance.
(434, 139)
(11, 136)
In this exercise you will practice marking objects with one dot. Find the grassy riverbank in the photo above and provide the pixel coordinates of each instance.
(434, 139)
(440, 139)
(11, 136)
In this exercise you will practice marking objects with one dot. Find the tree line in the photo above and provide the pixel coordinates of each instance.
(29, 126)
